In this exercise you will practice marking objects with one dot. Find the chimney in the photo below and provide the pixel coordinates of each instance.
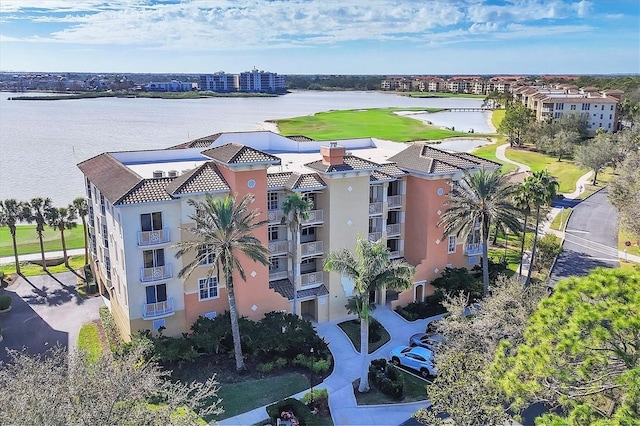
(332, 154)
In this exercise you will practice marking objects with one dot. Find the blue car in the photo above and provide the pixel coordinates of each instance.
(417, 358)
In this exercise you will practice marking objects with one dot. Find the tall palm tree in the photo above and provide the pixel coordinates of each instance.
(483, 198)
(224, 229)
(370, 269)
(10, 215)
(61, 219)
(35, 211)
(522, 200)
(543, 187)
(296, 210)
(82, 208)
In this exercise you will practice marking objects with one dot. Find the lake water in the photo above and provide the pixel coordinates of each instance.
(42, 141)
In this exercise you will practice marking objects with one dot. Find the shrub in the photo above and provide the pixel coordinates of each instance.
(267, 367)
(547, 249)
(320, 401)
(432, 306)
(280, 362)
(5, 301)
(300, 410)
(455, 280)
(386, 378)
(110, 329)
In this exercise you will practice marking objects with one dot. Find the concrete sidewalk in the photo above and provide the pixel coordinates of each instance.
(36, 256)
(347, 362)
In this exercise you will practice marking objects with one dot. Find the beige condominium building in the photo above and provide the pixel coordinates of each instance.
(392, 192)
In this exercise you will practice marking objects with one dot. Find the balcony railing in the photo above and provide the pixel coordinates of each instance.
(275, 216)
(375, 208)
(472, 249)
(149, 238)
(278, 247)
(315, 216)
(158, 309)
(311, 249)
(393, 229)
(395, 254)
(375, 236)
(278, 275)
(156, 273)
(394, 201)
(312, 278)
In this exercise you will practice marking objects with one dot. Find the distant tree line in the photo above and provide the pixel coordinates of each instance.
(333, 82)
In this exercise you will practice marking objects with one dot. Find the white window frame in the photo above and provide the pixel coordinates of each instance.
(451, 244)
(208, 259)
(204, 285)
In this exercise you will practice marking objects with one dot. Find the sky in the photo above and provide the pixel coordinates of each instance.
(382, 37)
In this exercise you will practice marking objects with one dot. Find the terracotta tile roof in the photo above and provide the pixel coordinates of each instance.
(204, 142)
(206, 178)
(392, 170)
(235, 153)
(378, 176)
(146, 191)
(425, 159)
(277, 180)
(110, 176)
(350, 162)
(300, 138)
(285, 289)
(307, 181)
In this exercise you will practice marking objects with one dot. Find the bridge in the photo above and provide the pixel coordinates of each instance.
(467, 109)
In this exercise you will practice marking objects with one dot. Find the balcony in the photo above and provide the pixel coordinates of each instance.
(275, 216)
(394, 201)
(472, 249)
(396, 254)
(156, 273)
(375, 236)
(278, 275)
(278, 247)
(158, 309)
(314, 248)
(315, 217)
(312, 279)
(375, 208)
(393, 230)
(150, 238)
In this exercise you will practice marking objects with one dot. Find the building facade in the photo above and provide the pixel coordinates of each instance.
(260, 81)
(219, 82)
(139, 210)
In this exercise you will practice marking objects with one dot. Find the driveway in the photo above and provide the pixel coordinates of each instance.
(46, 310)
(591, 238)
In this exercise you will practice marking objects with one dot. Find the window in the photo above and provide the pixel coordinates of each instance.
(602, 109)
(105, 235)
(274, 233)
(158, 324)
(156, 293)
(151, 221)
(610, 116)
(611, 107)
(153, 258)
(573, 107)
(586, 107)
(107, 266)
(601, 116)
(206, 253)
(560, 106)
(272, 201)
(210, 315)
(208, 288)
(308, 231)
(452, 244)
(309, 196)
(275, 264)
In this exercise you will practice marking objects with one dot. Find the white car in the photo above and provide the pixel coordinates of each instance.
(417, 358)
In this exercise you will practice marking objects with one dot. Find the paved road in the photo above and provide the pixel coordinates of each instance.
(46, 310)
(591, 238)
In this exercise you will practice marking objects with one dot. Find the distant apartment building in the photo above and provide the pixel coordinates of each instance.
(260, 81)
(219, 82)
(170, 86)
(475, 85)
(384, 191)
(552, 102)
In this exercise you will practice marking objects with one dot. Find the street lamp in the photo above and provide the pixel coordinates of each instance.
(311, 376)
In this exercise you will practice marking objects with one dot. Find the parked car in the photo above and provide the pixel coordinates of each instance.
(426, 340)
(416, 358)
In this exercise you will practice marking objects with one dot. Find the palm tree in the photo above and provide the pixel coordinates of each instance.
(296, 210)
(35, 211)
(522, 200)
(223, 230)
(82, 208)
(483, 198)
(61, 219)
(370, 269)
(543, 187)
(10, 215)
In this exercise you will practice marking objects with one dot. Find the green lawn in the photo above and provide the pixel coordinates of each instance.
(561, 219)
(352, 330)
(241, 397)
(379, 123)
(89, 340)
(414, 390)
(623, 236)
(497, 116)
(566, 171)
(28, 239)
(31, 269)
(488, 152)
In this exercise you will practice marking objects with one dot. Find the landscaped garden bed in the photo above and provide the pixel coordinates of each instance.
(378, 335)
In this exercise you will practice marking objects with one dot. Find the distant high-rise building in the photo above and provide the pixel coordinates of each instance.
(219, 82)
(261, 81)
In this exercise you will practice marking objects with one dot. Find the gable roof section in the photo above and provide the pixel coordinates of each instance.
(350, 163)
(425, 159)
(206, 178)
(147, 191)
(311, 181)
(204, 142)
(392, 169)
(235, 153)
(112, 178)
(278, 180)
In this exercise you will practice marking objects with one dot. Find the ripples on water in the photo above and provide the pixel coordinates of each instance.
(42, 141)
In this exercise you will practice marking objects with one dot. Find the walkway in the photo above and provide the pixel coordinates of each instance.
(500, 154)
(36, 256)
(347, 369)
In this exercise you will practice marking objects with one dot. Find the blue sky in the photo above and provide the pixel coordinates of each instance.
(322, 37)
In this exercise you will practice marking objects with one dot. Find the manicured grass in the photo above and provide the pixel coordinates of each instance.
(89, 340)
(561, 218)
(31, 269)
(566, 171)
(352, 330)
(488, 152)
(241, 397)
(379, 123)
(497, 116)
(623, 236)
(414, 390)
(28, 242)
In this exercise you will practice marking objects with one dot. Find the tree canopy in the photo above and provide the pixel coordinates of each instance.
(517, 119)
